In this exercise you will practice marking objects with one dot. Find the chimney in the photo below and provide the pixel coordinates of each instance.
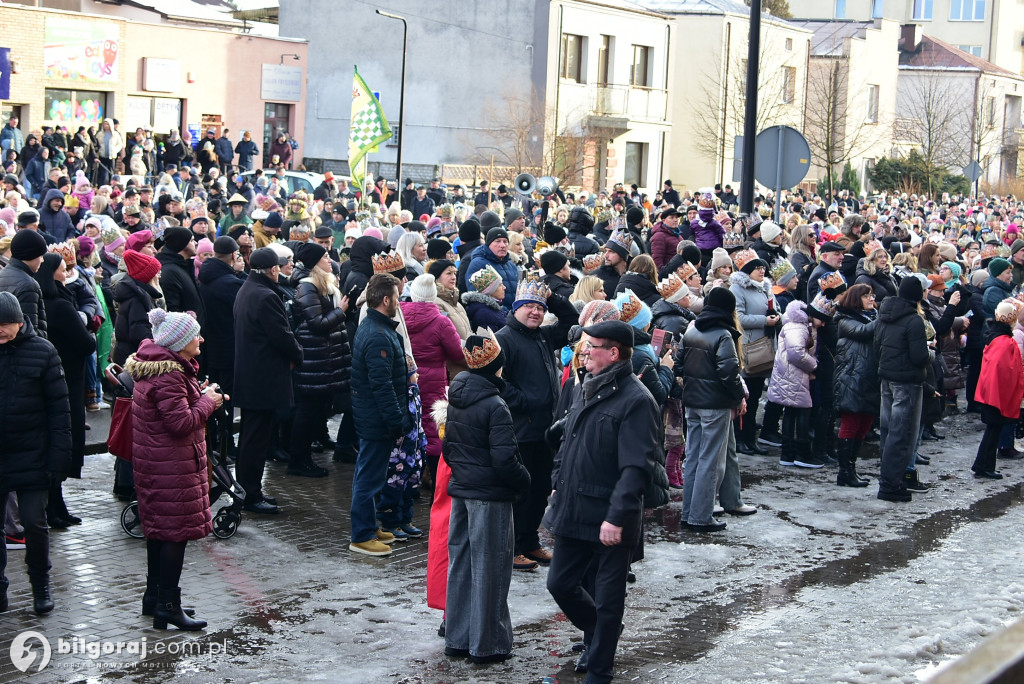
(910, 37)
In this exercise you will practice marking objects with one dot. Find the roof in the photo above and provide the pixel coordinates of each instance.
(936, 54)
(829, 39)
(697, 6)
(212, 11)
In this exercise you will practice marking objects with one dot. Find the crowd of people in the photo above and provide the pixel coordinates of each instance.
(558, 362)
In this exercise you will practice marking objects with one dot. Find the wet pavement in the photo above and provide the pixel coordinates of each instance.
(822, 584)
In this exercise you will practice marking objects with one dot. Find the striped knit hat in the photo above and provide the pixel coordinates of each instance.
(173, 330)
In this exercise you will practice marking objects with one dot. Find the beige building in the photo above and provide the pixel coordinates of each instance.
(990, 29)
(709, 73)
(851, 95)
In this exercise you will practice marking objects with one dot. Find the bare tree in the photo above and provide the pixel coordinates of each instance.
(935, 105)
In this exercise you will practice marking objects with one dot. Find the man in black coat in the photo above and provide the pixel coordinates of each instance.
(830, 258)
(470, 237)
(265, 354)
(176, 273)
(607, 458)
(557, 274)
(27, 250)
(35, 439)
(531, 391)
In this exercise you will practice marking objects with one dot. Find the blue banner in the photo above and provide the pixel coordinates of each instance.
(5, 73)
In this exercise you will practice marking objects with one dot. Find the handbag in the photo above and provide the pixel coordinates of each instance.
(759, 356)
(119, 441)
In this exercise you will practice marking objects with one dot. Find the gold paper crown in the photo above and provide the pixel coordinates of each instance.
(66, 250)
(533, 291)
(824, 304)
(780, 269)
(743, 257)
(670, 287)
(592, 262)
(631, 306)
(387, 262)
(831, 281)
(989, 251)
(706, 201)
(686, 270)
(872, 246)
(483, 279)
(481, 349)
(446, 211)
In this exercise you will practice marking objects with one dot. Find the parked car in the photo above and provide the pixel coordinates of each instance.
(307, 181)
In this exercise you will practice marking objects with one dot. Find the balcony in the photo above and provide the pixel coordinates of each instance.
(619, 106)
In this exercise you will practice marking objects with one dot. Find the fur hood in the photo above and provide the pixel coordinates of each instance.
(152, 360)
(480, 298)
(439, 412)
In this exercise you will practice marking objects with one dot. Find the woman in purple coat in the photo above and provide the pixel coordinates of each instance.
(169, 415)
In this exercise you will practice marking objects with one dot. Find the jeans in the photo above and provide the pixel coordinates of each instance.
(369, 478)
(707, 441)
(529, 512)
(32, 509)
(729, 487)
(597, 614)
(899, 426)
(479, 575)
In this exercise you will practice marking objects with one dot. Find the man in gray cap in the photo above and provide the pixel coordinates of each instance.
(610, 454)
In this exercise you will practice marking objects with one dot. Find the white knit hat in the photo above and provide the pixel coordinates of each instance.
(770, 230)
(719, 258)
(423, 288)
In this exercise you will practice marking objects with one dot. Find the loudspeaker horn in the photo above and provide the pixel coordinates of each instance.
(547, 185)
(525, 183)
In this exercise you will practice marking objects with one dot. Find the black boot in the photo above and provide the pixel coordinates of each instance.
(854, 450)
(149, 599)
(41, 601)
(847, 477)
(304, 467)
(168, 610)
(62, 508)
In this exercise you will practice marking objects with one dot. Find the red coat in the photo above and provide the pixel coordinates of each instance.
(435, 342)
(1001, 383)
(169, 417)
(437, 543)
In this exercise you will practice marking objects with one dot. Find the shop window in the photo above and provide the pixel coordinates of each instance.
(636, 164)
(74, 107)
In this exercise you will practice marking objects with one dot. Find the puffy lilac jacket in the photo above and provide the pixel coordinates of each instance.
(794, 359)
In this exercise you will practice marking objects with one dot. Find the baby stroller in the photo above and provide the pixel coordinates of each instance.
(227, 518)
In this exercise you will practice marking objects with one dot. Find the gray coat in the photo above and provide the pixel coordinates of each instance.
(752, 300)
(794, 359)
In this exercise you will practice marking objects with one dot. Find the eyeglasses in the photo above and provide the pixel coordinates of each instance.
(587, 346)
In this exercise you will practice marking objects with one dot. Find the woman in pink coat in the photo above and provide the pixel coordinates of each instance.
(436, 346)
(169, 414)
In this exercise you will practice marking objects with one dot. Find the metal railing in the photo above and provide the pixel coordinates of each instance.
(634, 102)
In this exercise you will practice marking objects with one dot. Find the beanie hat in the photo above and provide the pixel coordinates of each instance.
(141, 267)
(598, 311)
(423, 288)
(225, 244)
(81, 181)
(438, 248)
(10, 309)
(273, 220)
(770, 230)
(283, 252)
(553, 261)
(911, 289)
(955, 268)
(496, 233)
(394, 235)
(27, 217)
(469, 231)
(488, 220)
(486, 280)
(434, 226)
(27, 245)
(137, 241)
(632, 310)
(719, 258)
(531, 291)
(511, 215)
(634, 216)
(439, 266)
(204, 245)
(995, 267)
(483, 353)
(721, 298)
(310, 253)
(173, 330)
(374, 232)
(177, 238)
(264, 259)
(553, 234)
(86, 246)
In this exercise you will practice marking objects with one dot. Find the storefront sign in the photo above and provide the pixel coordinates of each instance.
(80, 51)
(161, 75)
(281, 83)
(166, 114)
(5, 73)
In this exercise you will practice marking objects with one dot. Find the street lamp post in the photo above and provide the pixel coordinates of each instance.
(401, 97)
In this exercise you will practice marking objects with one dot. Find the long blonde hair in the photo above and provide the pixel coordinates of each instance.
(323, 281)
(586, 289)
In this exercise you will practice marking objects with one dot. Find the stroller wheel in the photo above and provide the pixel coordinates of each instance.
(130, 522)
(225, 523)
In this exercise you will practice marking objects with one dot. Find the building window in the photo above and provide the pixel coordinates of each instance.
(162, 113)
(922, 10)
(788, 85)
(68, 107)
(971, 49)
(604, 61)
(840, 9)
(640, 72)
(276, 119)
(636, 164)
(572, 57)
(878, 9)
(967, 10)
(789, 45)
(872, 115)
(990, 112)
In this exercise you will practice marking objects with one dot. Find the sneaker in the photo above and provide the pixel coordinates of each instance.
(812, 462)
(397, 534)
(521, 562)
(915, 485)
(786, 461)
(771, 439)
(370, 548)
(385, 537)
(15, 542)
(745, 509)
(718, 510)
(412, 531)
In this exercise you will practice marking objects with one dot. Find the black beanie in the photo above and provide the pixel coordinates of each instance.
(225, 244)
(691, 255)
(553, 234)
(415, 226)
(496, 234)
(911, 289)
(722, 298)
(177, 238)
(27, 245)
(634, 216)
(469, 231)
(310, 253)
(438, 267)
(553, 261)
(438, 248)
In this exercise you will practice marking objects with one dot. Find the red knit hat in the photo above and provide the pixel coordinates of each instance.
(141, 266)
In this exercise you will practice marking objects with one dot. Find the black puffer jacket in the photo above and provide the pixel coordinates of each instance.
(480, 442)
(218, 286)
(767, 253)
(900, 344)
(671, 317)
(641, 286)
(531, 379)
(326, 357)
(35, 417)
(883, 284)
(559, 285)
(855, 387)
(708, 364)
(135, 300)
(17, 278)
(178, 283)
(360, 262)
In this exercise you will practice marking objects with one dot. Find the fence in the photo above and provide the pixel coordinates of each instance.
(469, 175)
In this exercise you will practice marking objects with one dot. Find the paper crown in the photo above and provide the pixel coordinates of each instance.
(780, 269)
(66, 250)
(532, 291)
(672, 288)
(486, 280)
(824, 305)
(832, 281)
(621, 241)
(592, 262)
(706, 201)
(764, 210)
(872, 246)
(989, 251)
(481, 349)
(686, 270)
(109, 234)
(446, 211)
(1008, 310)
(631, 306)
(387, 262)
(732, 240)
(743, 257)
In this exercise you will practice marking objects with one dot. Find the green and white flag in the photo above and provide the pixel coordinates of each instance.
(369, 127)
